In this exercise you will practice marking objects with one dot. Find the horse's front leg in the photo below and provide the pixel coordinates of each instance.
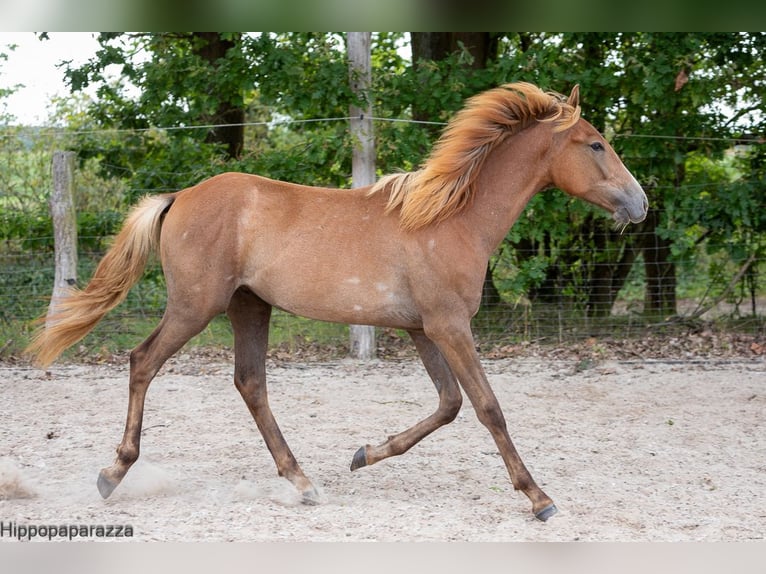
(450, 401)
(457, 345)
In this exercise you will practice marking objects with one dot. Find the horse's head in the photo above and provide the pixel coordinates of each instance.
(586, 166)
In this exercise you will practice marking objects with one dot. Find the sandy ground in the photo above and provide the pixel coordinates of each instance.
(629, 450)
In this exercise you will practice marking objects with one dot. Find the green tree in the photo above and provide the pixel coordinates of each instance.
(662, 99)
(675, 88)
(175, 81)
(5, 117)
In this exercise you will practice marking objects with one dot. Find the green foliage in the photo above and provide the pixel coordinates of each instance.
(662, 98)
(32, 231)
(671, 105)
(303, 75)
(22, 225)
(5, 91)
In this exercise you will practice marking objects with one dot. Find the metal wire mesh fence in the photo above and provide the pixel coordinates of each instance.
(540, 288)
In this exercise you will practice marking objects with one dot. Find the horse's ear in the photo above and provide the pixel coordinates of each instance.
(574, 97)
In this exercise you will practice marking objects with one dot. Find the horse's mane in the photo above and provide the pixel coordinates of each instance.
(444, 184)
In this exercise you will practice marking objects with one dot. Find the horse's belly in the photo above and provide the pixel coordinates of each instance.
(351, 300)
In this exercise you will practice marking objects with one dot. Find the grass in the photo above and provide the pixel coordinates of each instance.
(119, 333)
(316, 340)
(26, 289)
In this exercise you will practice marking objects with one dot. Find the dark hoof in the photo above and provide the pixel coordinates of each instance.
(105, 486)
(360, 459)
(547, 512)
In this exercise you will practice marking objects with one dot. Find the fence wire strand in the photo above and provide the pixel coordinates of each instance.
(26, 273)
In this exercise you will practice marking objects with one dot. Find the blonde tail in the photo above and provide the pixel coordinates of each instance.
(75, 315)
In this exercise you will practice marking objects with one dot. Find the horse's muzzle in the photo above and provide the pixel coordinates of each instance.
(632, 210)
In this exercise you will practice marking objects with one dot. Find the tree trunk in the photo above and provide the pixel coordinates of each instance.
(490, 296)
(429, 46)
(439, 45)
(660, 294)
(606, 282)
(231, 115)
(608, 277)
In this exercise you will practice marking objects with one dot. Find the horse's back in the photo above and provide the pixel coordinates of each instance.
(324, 253)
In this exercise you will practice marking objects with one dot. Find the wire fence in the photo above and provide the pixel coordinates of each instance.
(538, 292)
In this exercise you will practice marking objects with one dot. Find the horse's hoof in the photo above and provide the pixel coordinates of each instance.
(310, 497)
(105, 486)
(547, 512)
(360, 459)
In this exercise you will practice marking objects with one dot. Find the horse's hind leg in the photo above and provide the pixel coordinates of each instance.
(175, 329)
(450, 401)
(249, 317)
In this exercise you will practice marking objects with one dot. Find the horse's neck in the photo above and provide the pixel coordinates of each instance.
(511, 175)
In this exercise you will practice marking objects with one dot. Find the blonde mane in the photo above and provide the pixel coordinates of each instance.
(444, 184)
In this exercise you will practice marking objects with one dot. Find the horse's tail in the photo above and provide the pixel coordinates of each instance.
(74, 315)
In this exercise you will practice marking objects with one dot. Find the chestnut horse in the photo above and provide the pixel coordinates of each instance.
(409, 252)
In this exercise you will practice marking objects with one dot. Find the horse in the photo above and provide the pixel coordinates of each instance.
(408, 252)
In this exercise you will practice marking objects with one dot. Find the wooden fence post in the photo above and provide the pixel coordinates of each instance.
(362, 337)
(64, 225)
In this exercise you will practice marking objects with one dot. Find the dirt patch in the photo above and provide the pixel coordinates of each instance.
(629, 450)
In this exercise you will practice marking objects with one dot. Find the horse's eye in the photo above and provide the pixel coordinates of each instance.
(597, 146)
